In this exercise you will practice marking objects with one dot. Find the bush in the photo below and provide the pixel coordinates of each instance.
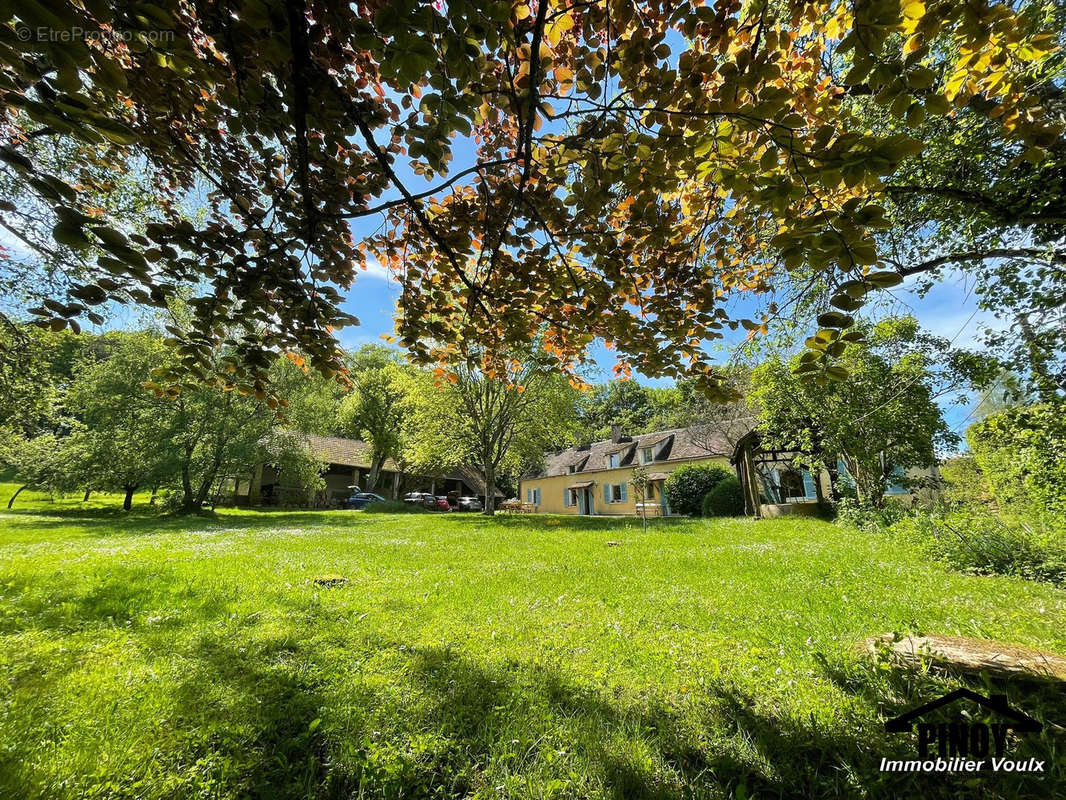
(686, 487)
(1022, 453)
(393, 507)
(979, 542)
(724, 500)
(866, 517)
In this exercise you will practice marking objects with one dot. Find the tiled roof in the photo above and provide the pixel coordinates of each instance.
(356, 453)
(472, 477)
(345, 452)
(676, 444)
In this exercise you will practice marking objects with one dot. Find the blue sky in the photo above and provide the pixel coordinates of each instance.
(950, 310)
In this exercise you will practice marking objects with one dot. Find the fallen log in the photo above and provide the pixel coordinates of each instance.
(968, 655)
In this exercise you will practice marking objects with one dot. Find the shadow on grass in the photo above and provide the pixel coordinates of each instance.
(144, 520)
(895, 691)
(272, 713)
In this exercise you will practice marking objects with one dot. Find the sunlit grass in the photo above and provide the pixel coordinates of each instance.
(149, 656)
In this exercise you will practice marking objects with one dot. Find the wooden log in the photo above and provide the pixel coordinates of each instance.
(968, 655)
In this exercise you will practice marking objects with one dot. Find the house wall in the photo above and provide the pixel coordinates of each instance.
(552, 488)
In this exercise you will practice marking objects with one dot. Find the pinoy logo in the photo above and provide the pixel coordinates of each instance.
(963, 746)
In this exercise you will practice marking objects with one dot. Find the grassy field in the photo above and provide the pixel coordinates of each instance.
(531, 657)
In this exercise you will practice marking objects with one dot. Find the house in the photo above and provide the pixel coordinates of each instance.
(597, 478)
(348, 464)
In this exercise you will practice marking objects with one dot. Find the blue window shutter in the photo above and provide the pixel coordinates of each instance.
(623, 492)
(809, 489)
(538, 497)
(606, 492)
(566, 498)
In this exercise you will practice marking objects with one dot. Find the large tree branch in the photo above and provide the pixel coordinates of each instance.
(1029, 253)
(1003, 211)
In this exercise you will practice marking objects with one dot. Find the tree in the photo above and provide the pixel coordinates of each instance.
(636, 164)
(637, 408)
(47, 463)
(378, 405)
(885, 418)
(1022, 453)
(35, 367)
(500, 423)
(128, 430)
(972, 203)
(296, 463)
(640, 480)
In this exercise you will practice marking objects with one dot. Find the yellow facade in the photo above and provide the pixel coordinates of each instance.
(553, 494)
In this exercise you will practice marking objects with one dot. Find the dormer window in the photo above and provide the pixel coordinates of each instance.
(647, 455)
(572, 468)
(612, 460)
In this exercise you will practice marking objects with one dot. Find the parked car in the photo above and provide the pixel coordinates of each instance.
(470, 504)
(361, 500)
(423, 499)
(346, 502)
(442, 504)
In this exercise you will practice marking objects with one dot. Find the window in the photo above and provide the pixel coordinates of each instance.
(616, 492)
(612, 460)
(533, 496)
(647, 455)
(572, 468)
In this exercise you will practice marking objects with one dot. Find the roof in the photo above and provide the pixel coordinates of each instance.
(345, 452)
(672, 445)
(472, 477)
(356, 453)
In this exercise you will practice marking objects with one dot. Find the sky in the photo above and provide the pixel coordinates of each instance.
(949, 310)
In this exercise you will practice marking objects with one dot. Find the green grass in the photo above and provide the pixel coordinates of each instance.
(530, 657)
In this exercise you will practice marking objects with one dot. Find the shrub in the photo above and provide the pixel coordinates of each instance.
(686, 486)
(979, 542)
(867, 517)
(1022, 453)
(393, 507)
(724, 500)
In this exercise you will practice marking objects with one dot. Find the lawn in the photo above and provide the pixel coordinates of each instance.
(146, 657)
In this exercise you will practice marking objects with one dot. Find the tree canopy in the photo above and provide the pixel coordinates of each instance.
(886, 418)
(636, 163)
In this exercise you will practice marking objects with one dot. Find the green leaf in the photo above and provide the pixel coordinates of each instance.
(884, 280)
(844, 302)
(834, 319)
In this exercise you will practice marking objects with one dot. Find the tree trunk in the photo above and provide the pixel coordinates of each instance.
(187, 500)
(834, 481)
(155, 491)
(490, 490)
(85, 497)
(127, 502)
(376, 462)
(11, 502)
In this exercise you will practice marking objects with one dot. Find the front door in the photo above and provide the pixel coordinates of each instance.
(662, 498)
(584, 501)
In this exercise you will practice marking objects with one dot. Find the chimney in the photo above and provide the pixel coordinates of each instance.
(616, 433)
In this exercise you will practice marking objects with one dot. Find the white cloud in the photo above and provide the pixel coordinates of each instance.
(375, 270)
